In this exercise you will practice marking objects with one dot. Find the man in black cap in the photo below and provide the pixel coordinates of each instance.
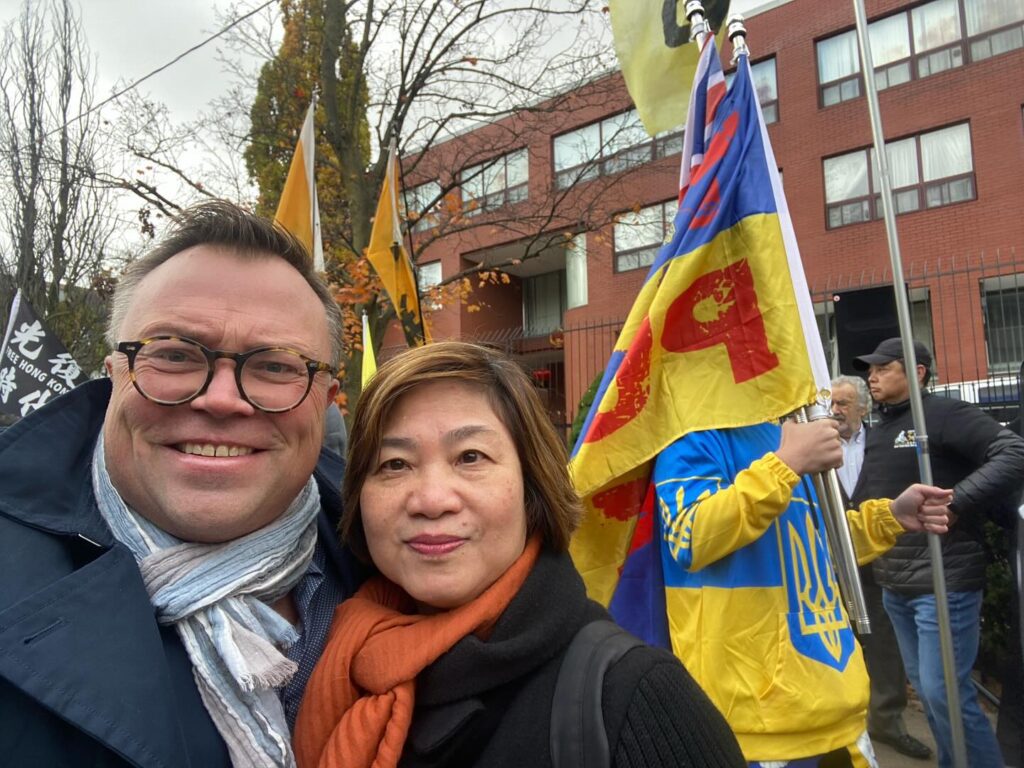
(983, 463)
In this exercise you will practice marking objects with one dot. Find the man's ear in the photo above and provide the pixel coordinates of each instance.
(332, 390)
(922, 371)
(108, 364)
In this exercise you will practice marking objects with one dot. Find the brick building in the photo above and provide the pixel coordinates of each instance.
(571, 199)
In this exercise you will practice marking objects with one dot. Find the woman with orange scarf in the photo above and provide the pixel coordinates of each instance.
(457, 491)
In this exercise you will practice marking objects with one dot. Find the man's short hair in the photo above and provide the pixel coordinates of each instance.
(863, 396)
(553, 508)
(249, 236)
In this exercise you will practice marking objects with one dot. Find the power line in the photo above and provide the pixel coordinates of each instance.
(158, 70)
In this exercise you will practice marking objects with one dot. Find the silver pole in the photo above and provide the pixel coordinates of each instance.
(838, 538)
(916, 407)
(699, 27)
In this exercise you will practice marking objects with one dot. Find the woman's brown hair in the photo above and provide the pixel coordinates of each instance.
(552, 505)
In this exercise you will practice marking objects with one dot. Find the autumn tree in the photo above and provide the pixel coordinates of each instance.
(56, 219)
(287, 83)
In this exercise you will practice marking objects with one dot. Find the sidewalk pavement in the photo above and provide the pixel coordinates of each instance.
(917, 726)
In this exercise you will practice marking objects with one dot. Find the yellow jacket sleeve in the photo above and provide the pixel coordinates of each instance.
(723, 521)
(873, 529)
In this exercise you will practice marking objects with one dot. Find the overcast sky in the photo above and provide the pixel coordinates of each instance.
(130, 38)
(133, 37)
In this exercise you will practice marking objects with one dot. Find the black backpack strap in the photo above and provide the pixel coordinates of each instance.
(578, 736)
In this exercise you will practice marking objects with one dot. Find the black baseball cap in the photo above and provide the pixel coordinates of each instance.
(892, 349)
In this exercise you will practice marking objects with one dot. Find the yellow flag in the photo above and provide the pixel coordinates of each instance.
(369, 360)
(652, 41)
(299, 211)
(389, 258)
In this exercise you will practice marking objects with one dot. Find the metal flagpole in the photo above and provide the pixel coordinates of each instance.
(916, 407)
(699, 27)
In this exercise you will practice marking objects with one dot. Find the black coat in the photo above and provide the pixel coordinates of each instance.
(488, 703)
(972, 454)
(87, 677)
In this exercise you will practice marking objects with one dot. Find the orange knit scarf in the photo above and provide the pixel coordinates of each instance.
(359, 702)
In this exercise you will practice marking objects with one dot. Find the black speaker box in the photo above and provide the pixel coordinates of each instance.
(864, 317)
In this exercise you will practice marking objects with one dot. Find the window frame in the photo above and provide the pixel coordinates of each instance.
(667, 222)
(987, 35)
(611, 163)
(505, 196)
(1003, 286)
(429, 217)
(424, 285)
(871, 205)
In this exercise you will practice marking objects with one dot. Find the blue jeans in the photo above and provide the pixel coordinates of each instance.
(917, 632)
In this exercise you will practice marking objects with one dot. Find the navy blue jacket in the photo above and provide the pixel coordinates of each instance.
(87, 677)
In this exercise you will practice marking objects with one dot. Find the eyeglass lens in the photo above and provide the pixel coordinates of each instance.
(173, 371)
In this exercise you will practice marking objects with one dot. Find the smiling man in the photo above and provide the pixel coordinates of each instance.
(168, 565)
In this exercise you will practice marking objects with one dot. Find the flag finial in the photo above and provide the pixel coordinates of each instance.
(738, 36)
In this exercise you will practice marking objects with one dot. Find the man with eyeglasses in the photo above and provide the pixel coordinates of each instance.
(168, 561)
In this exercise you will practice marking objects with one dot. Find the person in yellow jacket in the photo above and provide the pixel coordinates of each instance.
(753, 606)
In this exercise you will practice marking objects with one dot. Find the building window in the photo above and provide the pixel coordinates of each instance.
(838, 68)
(423, 205)
(925, 171)
(496, 183)
(427, 276)
(1002, 304)
(947, 165)
(544, 303)
(614, 144)
(937, 35)
(890, 49)
(994, 26)
(639, 235)
(766, 87)
(923, 41)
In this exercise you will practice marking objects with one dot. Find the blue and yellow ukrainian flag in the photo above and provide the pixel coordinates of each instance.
(717, 338)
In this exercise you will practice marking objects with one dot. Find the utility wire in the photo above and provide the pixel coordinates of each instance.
(158, 70)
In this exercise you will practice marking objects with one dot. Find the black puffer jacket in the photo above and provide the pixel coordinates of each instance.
(972, 454)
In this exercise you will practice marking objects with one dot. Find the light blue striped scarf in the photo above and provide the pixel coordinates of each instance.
(218, 597)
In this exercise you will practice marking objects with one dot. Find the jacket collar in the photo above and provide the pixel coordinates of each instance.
(889, 411)
(56, 442)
